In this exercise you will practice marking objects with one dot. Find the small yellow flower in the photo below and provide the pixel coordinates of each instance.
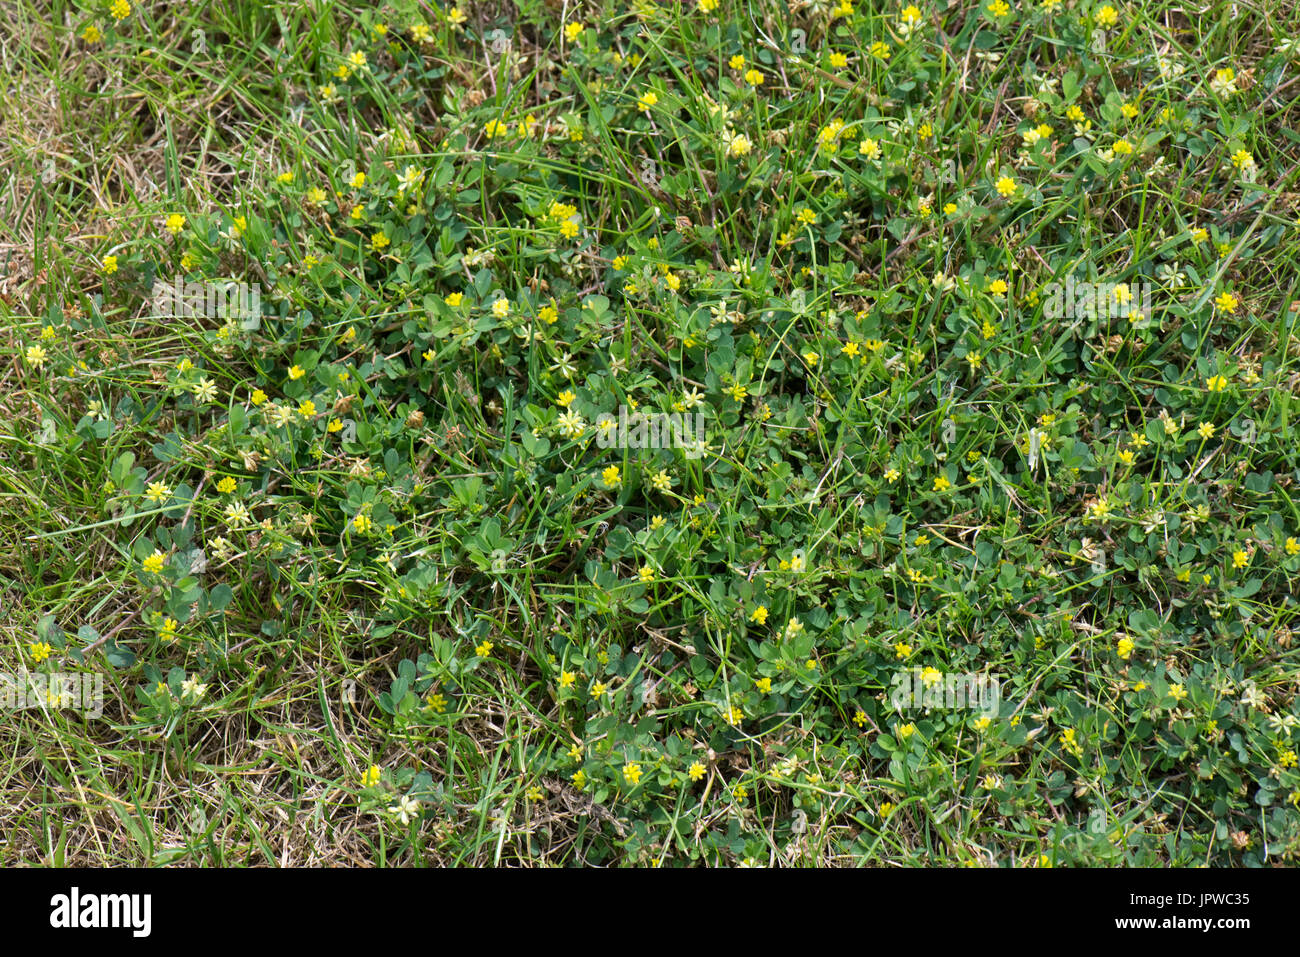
(40, 650)
(695, 771)
(1226, 302)
(175, 223)
(647, 100)
(632, 772)
(483, 649)
(759, 615)
(1006, 186)
(1125, 648)
(1216, 383)
(154, 562)
(370, 777)
(109, 265)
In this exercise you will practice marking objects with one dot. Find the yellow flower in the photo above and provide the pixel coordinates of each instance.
(696, 770)
(40, 650)
(154, 562)
(632, 772)
(370, 777)
(647, 574)
(1226, 302)
(1107, 16)
(227, 485)
(175, 223)
(1216, 383)
(1125, 648)
(36, 356)
(941, 483)
(998, 8)
(296, 372)
(759, 615)
(567, 678)
(483, 649)
(1006, 186)
(754, 77)
(572, 31)
(109, 265)
(647, 100)
(611, 477)
(157, 491)
(120, 10)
